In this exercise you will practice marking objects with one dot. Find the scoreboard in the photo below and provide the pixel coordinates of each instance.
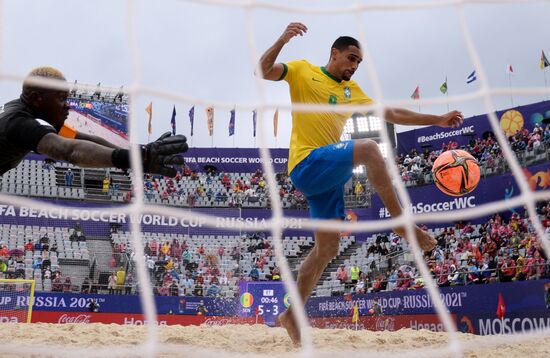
(267, 299)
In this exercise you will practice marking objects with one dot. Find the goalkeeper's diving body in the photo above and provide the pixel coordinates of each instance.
(319, 163)
(35, 122)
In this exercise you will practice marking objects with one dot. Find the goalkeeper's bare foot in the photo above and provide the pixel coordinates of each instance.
(288, 321)
(425, 241)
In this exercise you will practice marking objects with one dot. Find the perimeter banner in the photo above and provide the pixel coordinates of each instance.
(234, 160)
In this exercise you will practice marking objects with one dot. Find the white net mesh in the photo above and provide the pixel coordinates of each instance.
(455, 347)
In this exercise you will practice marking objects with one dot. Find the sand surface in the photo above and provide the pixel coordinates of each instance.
(102, 340)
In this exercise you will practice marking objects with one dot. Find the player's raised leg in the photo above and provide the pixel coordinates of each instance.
(366, 152)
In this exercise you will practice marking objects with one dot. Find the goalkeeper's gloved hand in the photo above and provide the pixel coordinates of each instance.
(157, 156)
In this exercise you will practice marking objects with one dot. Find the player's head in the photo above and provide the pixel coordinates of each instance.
(50, 100)
(345, 57)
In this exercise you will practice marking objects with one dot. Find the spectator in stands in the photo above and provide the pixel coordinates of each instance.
(360, 286)
(213, 290)
(129, 284)
(358, 190)
(120, 279)
(29, 246)
(150, 265)
(188, 284)
(111, 285)
(355, 272)
(200, 252)
(53, 248)
(57, 284)
(199, 285)
(173, 288)
(191, 199)
(186, 257)
(342, 274)
(45, 239)
(37, 263)
(403, 281)
(507, 269)
(67, 285)
(35, 121)
(254, 274)
(105, 185)
(86, 286)
(69, 177)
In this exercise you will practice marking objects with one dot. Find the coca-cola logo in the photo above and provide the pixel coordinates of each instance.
(81, 318)
(216, 321)
(385, 324)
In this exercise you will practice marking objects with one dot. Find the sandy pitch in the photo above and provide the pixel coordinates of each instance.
(102, 340)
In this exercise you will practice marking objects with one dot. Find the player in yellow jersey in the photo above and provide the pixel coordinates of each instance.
(319, 164)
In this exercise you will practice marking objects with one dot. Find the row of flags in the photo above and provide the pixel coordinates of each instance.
(210, 120)
(472, 77)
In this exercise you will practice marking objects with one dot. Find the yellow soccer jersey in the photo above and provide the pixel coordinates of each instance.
(311, 84)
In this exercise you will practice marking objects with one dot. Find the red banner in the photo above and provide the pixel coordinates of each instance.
(382, 323)
(135, 319)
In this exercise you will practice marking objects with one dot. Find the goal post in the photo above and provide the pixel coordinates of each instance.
(16, 298)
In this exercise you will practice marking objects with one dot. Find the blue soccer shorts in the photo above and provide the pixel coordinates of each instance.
(321, 177)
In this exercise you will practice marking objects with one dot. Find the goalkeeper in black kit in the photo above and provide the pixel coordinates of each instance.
(35, 122)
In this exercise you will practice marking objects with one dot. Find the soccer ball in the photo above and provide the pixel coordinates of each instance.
(456, 172)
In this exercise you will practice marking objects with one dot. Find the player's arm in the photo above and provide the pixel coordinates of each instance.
(95, 139)
(274, 71)
(157, 156)
(78, 152)
(453, 119)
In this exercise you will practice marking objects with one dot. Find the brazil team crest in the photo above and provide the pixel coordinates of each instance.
(347, 92)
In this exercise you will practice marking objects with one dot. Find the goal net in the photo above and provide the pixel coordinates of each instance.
(17, 294)
(15, 300)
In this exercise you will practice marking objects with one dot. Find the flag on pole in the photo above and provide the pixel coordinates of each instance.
(501, 307)
(149, 110)
(543, 61)
(173, 121)
(192, 118)
(510, 69)
(232, 123)
(472, 77)
(444, 87)
(210, 120)
(254, 114)
(355, 313)
(416, 93)
(275, 122)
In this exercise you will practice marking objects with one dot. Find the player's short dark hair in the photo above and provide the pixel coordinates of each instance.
(343, 42)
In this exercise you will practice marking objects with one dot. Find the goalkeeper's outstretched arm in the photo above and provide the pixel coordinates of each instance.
(157, 156)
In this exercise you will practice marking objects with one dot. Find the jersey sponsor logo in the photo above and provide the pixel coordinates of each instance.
(43, 122)
(347, 92)
(332, 99)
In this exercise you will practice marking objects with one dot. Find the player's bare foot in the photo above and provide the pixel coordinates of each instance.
(425, 241)
(289, 323)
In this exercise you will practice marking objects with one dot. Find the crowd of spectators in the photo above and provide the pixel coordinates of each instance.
(415, 167)
(177, 270)
(38, 256)
(228, 191)
(498, 250)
